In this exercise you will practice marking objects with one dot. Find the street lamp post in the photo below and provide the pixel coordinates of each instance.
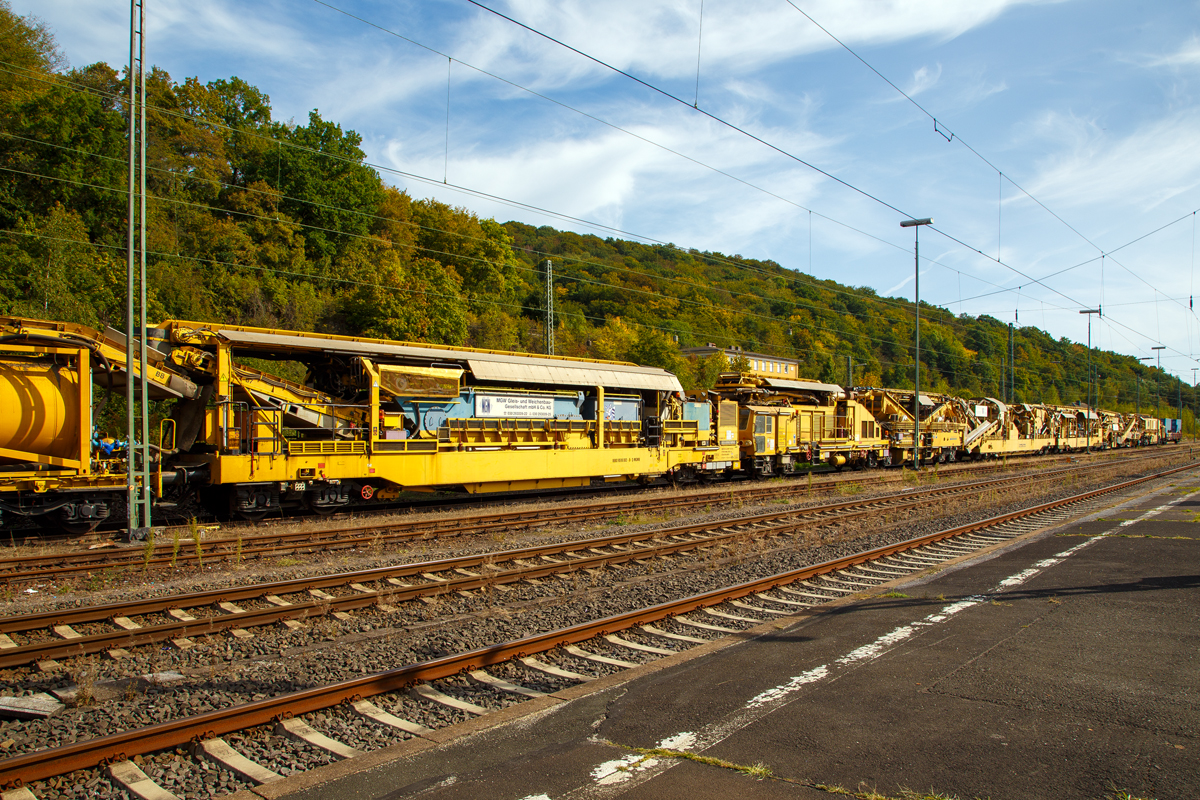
(1012, 367)
(916, 224)
(1193, 405)
(1158, 348)
(1089, 312)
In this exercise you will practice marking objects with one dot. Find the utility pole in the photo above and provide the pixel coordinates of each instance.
(137, 474)
(549, 307)
(1158, 352)
(1194, 405)
(1139, 383)
(1012, 369)
(849, 372)
(916, 224)
(1089, 313)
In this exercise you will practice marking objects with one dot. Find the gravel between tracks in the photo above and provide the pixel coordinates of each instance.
(222, 670)
(123, 584)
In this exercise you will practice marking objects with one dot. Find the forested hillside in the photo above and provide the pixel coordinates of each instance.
(259, 221)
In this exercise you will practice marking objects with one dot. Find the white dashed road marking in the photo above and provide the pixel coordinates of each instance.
(616, 776)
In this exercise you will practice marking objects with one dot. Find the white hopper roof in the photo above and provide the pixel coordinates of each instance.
(616, 376)
(804, 386)
(509, 367)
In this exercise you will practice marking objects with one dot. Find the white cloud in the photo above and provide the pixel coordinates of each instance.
(661, 40)
(923, 79)
(224, 27)
(1155, 162)
(1187, 55)
(1107, 148)
(976, 92)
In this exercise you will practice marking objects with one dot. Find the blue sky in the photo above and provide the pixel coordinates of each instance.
(1090, 107)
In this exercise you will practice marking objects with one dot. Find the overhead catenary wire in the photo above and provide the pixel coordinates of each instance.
(739, 265)
(437, 252)
(659, 277)
(985, 160)
(443, 184)
(568, 258)
(1107, 253)
(814, 327)
(762, 141)
(810, 212)
(426, 292)
(939, 127)
(707, 114)
(492, 197)
(789, 155)
(551, 100)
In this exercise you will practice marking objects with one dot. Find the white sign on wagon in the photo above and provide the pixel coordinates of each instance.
(514, 406)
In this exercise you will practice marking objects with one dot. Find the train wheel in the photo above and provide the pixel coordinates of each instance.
(252, 502)
(81, 516)
(70, 528)
(684, 476)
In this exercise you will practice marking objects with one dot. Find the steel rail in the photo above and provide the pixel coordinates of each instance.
(370, 532)
(68, 648)
(28, 568)
(88, 559)
(19, 770)
(67, 616)
(648, 545)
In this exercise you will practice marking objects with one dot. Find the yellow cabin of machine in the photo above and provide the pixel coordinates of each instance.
(374, 417)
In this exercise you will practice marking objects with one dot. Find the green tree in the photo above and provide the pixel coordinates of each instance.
(615, 341)
(30, 53)
(705, 371)
(416, 302)
(59, 275)
(493, 329)
(325, 186)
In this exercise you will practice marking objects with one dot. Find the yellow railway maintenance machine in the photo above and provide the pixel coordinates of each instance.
(944, 424)
(374, 418)
(371, 418)
(787, 424)
(56, 467)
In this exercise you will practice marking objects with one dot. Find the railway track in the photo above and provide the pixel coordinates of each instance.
(114, 628)
(554, 657)
(373, 534)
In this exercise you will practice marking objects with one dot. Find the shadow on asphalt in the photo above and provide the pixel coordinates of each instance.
(1148, 584)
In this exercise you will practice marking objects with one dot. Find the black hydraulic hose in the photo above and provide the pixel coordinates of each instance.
(32, 512)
